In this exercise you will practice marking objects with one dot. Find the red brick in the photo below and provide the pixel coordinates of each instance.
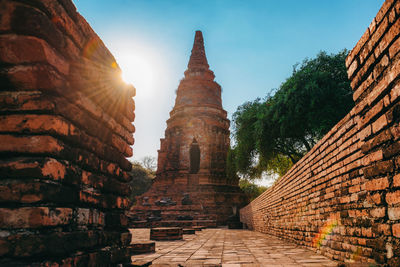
(25, 101)
(392, 15)
(379, 139)
(354, 197)
(358, 78)
(34, 217)
(395, 93)
(34, 124)
(35, 191)
(381, 66)
(64, 22)
(383, 83)
(377, 184)
(383, 10)
(54, 169)
(387, 38)
(372, 157)
(393, 197)
(394, 48)
(372, 26)
(375, 198)
(354, 189)
(345, 199)
(367, 232)
(58, 123)
(378, 212)
(32, 77)
(365, 133)
(380, 123)
(393, 149)
(352, 68)
(396, 230)
(381, 229)
(393, 114)
(396, 180)
(397, 7)
(28, 49)
(30, 144)
(353, 53)
(378, 33)
(394, 213)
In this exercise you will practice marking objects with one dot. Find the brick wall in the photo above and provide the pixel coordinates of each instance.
(65, 133)
(343, 197)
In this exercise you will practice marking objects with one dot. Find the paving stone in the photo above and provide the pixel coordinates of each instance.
(228, 247)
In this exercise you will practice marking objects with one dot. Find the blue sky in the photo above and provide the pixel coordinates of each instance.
(251, 46)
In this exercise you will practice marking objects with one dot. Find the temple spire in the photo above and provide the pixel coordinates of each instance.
(198, 65)
(198, 59)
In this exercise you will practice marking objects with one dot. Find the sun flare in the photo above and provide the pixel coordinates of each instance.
(136, 69)
(140, 67)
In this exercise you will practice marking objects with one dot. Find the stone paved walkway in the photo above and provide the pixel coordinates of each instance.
(223, 247)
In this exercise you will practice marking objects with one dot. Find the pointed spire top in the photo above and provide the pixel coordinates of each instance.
(198, 60)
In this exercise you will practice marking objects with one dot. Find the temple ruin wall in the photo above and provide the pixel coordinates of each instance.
(343, 197)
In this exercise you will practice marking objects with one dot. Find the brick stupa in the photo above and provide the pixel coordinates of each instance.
(191, 186)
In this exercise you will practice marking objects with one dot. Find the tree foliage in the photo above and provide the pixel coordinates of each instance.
(251, 190)
(142, 179)
(274, 133)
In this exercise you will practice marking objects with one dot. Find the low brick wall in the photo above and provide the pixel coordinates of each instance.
(343, 197)
(65, 133)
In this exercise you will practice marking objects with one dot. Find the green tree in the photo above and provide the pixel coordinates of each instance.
(141, 181)
(274, 133)
(251, 190)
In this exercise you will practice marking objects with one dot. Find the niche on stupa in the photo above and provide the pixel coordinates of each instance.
(194, 153)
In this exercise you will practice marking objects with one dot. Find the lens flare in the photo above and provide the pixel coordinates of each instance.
(90, 47)
(325, 231)
(356, 255)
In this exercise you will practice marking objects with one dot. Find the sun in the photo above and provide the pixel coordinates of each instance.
(136, 69)
(140, 67)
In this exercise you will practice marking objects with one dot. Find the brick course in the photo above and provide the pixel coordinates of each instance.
(65, 133)
(342, 198)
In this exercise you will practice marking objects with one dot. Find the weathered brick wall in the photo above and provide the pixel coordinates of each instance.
(65, 133)
(343, 197)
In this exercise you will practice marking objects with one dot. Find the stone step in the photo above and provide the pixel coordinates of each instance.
(173, 223)
(199, 227)
(153, 207)
(140, 263)
(138, 224)
(166, 233)
(184, 223)
(189, 231)
(141, 247)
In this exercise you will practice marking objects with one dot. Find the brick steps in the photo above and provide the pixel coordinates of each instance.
(174, 223)
(188, 231)
(166, 233)
(141, 247)
(198, 228)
